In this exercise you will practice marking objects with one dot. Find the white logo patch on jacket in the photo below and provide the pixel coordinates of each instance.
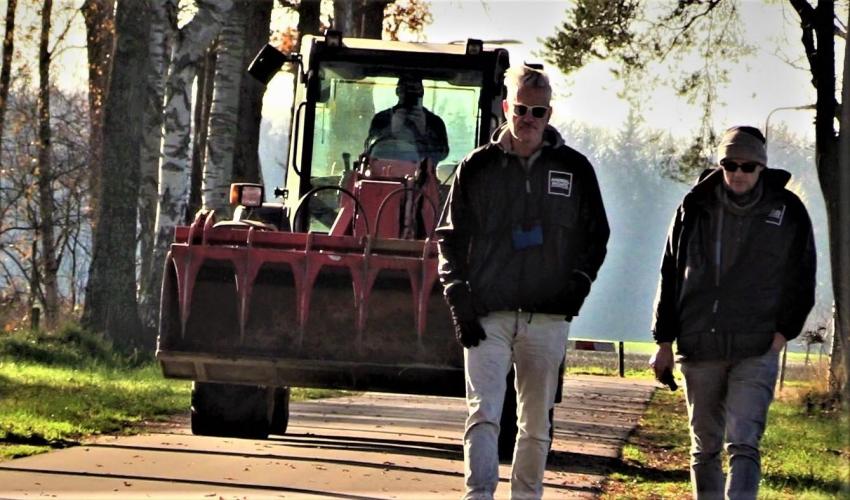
(560, 183)
(775, 216)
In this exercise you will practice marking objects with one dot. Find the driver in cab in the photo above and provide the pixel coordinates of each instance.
(407, 129)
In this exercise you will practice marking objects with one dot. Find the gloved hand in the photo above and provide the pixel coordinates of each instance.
(575, 292)
(468, 330)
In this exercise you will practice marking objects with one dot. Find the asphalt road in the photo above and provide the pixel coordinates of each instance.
(374, 446)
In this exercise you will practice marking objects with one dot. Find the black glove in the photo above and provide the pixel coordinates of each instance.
(668, 380)
(468, 330)
(575, 292)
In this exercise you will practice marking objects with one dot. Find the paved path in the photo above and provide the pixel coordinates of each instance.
(370, 446)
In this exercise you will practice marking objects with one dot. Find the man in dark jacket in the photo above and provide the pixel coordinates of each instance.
(521, 239)
(737, 282)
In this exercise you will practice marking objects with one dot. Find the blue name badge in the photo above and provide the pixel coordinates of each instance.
(527, 236)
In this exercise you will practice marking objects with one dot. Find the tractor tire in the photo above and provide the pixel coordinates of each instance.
(280, 413)
(229, 410)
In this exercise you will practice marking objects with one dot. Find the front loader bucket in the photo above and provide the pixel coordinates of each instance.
(296, 309)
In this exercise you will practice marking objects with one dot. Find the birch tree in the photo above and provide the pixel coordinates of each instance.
(173, 187)
(224, 111)
(162, 35)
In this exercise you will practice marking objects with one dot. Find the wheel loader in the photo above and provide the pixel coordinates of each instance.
(334, 285)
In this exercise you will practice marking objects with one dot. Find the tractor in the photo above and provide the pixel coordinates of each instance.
(334, 285)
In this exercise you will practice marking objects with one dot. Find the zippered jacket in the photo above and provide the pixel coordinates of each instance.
(555, 203)
(717, 310)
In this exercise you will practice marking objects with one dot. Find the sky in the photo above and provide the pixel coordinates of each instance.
(758, 84)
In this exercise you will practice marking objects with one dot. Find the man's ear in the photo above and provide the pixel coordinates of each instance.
(505, 106)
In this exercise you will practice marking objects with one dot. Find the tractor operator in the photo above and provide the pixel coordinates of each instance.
(521, 239)
(413, 131)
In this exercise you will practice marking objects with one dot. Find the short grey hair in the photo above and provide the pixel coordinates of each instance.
(526, 76)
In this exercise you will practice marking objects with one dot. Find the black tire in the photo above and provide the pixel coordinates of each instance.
(508, 423)
(229, 410)
(280, 413)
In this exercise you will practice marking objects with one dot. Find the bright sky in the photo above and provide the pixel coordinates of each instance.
(761, 83)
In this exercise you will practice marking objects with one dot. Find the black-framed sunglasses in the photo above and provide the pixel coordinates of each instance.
(732, 166)
(536, 111)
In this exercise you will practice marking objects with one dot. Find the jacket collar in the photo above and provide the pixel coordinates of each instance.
(772, 178)
(501, 137)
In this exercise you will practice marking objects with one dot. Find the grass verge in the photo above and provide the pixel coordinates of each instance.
(58, 388)
(805, 451)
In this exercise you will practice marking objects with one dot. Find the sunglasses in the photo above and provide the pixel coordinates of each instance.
(731, 166)
(536, 111)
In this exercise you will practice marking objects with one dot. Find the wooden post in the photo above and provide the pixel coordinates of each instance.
(622, 360)
(782, 368)
(35, 318)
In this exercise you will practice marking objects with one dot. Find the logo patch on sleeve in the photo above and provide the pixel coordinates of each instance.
(776, 215)
(560, 183)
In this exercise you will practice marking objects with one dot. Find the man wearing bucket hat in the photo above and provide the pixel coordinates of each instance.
(737, 282)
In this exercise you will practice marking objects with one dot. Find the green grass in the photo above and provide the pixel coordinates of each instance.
(805, 452)
(56, 389)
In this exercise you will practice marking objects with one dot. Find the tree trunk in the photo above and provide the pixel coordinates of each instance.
(110, 304)
(50, 265)
(309, 19)
(246, 159)
(201, 120)
(360, 18)
(6, 70)
(99, 17)
(221, 139)
(162, 33)
(841, 332)
(173, 190)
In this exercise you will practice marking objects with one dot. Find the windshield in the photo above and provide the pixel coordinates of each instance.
(407, 113)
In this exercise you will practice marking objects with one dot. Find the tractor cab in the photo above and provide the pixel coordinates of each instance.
(347, 131)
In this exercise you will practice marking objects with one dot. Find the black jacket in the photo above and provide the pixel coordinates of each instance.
(491, 196)
(770, 287)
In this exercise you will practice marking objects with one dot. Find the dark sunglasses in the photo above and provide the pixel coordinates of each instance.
(536, 111)
(731, 166)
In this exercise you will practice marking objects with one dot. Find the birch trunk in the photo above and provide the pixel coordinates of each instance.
(50, 264)
(162, 34)
(173, 189)
(224, 112)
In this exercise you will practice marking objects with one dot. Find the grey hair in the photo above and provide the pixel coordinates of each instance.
(526, 76)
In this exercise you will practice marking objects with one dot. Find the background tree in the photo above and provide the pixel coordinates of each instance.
(44, 176)
(99, 16)
(620, 31)
(110, 304)
(6, 70)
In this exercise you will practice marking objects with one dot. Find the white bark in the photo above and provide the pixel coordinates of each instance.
(224, 113)
(162, 35)
(175, 155)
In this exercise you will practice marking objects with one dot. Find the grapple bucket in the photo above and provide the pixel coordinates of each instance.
(244, 305)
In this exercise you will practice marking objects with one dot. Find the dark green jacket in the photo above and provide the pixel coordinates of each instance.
(769, 288)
